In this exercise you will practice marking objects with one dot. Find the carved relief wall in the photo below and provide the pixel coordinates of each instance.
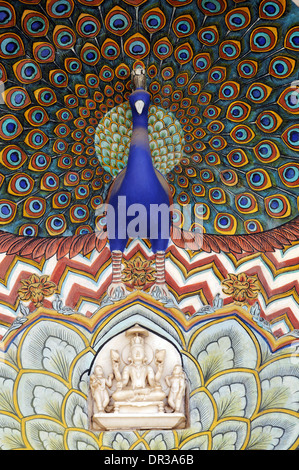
(242, 383)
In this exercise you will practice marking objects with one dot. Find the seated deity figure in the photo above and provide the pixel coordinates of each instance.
(147, 384)
(138, 379)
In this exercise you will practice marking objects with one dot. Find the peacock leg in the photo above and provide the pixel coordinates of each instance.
(117, 289)
(160, 290)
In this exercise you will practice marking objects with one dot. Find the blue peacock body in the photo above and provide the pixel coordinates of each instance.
(223, 125)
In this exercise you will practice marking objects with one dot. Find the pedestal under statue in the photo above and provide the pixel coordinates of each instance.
(138, 400)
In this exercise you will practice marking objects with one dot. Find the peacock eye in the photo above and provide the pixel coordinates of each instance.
(139, 105)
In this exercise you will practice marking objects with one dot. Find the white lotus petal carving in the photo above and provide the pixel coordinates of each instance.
(218, 356)
(225, 441)
(58, 356)
(47, 401)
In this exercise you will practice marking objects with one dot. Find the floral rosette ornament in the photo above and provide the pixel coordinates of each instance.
(36, 288)
(138, 273)
(241, 288)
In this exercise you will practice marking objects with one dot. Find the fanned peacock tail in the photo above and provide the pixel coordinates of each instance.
(223, 125)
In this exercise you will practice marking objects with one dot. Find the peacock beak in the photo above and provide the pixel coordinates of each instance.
(139, 105)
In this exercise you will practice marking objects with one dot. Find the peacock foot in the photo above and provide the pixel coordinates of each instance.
(160, 292)
(117, 291)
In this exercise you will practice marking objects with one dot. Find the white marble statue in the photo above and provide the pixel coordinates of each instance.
(177, 384)
(138, 379)
(140, 389)
(98, 385)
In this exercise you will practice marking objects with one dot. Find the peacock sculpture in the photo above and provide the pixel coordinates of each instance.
(220, 106)
(139, 183)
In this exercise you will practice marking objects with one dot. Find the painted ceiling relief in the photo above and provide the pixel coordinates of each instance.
(149, 175)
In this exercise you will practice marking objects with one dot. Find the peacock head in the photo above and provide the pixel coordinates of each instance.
(138, 78)
(140, 98)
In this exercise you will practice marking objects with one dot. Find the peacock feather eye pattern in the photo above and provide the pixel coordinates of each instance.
(208, 35)
(253, 226)
(20, 185)
(45, 96)
(34, 23)
(39, 161)
(8, 15)
(118, 21)
(49, 182)
(28, 230)
(229, 90)
(289, 100)
(43, 52)
(217, 74)
(268, 121)
(61, 200)
(289, 174)
(258, 92)
(34, 207)
(246, 203)
(110, 49)
(238, 18)
(247, 68)
(183, 26)
(263, 39)
(183, 53)
(272, 10)
(242, 134)
(27, 71)
(229, 177)
(10, 127)
(153, 20)
(281, 66)
(79, 213)
(213, 7)
(258, 179)
(225, 224)
(3, 74)
(230, 50)
(64, 37)
(237, 158)
(163, 48)
(60, 9)
(8, 211)
(73, 65)
(12, 157)
(90, 54)
(11, 46)
(266, 151)
(56, 225)
(16, 98)
(277, 206)
(88, 26)
(36, 116)
(238, 111)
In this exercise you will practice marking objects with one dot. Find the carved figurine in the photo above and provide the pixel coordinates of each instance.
(138, 385)
(138, 379)
(115, 360)
(159, 361)
(98, 385)
(177, 384)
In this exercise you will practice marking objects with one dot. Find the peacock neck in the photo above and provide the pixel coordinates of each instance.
(140, 164)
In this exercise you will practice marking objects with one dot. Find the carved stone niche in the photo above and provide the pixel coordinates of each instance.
(138, 382)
